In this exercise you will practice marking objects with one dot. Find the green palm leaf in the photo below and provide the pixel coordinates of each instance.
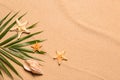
(12, 52)
(1, 74)
(10, 57)
(30, 56)
(10, 65)
(25, 54)
(29, 50)
(24, 38)
(27, 43)
(4, 18)
(12, 47)
(32, 26)
(23, 49)
(5, 24)
(8, 40)
(5, 70)
(8, 28)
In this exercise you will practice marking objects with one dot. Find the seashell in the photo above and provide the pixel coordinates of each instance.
(26, 67)
(33, 66)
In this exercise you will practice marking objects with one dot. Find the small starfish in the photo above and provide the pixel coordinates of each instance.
(20, 28)
(60, 57)
(36, 47)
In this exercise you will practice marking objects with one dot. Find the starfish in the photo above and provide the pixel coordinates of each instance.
(60, 57)
(20, 28)
(36, 47)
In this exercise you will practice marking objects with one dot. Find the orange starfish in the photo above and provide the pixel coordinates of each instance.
(60, 57)
(36, 47)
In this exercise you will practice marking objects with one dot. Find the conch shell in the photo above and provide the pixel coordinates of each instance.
(33, 66)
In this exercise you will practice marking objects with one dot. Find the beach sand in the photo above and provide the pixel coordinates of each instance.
(87, 30)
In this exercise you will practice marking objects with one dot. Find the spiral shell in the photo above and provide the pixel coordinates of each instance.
(33, 66)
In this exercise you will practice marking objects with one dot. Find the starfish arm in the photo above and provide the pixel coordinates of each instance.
(24, 24)
(39, 46)
(59, 62)
(64, 58)
(54, 58)
(32, 46)
(35, 50)
(57, 52)
(18, 22)
(19, 34)
(63, 52)
(13, 29)
(27, 31)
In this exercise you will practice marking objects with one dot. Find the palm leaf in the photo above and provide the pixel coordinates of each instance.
(12, 52)
(29, 50)
(23, 49)
(8, 28)
(10, 57)
(12, 47)
(5, 24)
(10, 65)
(30, 56)
(25, 54)
(14, 36)
(8, 40)
(24, 38)
(4, 18)
(40, 52)
(32, 26)
(5, 70)
(1, 74)
(27, 43)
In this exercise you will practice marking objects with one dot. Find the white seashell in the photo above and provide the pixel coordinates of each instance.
(36, 69)
(32, 66)
(26, 67)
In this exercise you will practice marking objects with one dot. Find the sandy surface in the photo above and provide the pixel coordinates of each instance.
(88, 30)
